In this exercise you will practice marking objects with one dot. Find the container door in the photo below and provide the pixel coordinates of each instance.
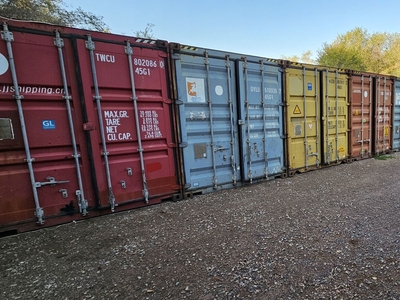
(303, 118)
(44, 166)
(261, 120)
(334, 116)
(208, 114)
(383, 114)
(361, 94)
(396, 117)
(127, 101)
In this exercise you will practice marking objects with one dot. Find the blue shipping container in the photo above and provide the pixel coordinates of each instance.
(230, 118)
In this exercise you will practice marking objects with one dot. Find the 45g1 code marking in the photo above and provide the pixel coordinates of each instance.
(142, 71)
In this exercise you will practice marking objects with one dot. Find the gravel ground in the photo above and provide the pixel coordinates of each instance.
(327, 234)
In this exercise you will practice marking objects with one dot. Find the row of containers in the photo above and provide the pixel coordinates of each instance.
(92, 123)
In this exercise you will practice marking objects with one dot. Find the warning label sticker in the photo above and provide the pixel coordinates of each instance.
(297, 110)
(386, 131)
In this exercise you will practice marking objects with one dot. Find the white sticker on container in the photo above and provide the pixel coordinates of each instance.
(365, 94)
(219, 90)
(3, 64)
(195, 90)
(198, 115)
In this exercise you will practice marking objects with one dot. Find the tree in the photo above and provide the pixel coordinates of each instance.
(147, 33)
(306, 57)
(361, 51)
(53, 12)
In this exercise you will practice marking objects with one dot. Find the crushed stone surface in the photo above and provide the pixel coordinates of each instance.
(333, 233)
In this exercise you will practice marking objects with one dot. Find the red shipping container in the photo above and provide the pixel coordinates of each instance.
(382, 134)
(361, 111)
(86, 124)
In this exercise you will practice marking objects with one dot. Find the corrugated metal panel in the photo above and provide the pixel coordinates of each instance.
(360, 115)
(98, 121)
(231, 117)
(383, 114)
(206, 89)
(334, 116)
(126, 83)
(260, 84)
(44, 170)
(302, 91)
(396, 116)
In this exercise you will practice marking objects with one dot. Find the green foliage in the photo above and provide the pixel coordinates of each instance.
(361, 51)
(51, 11)
(306, 57)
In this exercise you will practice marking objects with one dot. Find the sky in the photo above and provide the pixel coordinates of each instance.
(269, 28)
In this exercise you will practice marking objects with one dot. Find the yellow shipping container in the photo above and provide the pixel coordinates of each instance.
(335, 116)
(302, 117)
(316, 116)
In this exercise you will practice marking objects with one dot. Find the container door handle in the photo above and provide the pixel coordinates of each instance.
(51, 181)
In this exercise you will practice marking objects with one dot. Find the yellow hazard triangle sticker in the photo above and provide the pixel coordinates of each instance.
(297, 110)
